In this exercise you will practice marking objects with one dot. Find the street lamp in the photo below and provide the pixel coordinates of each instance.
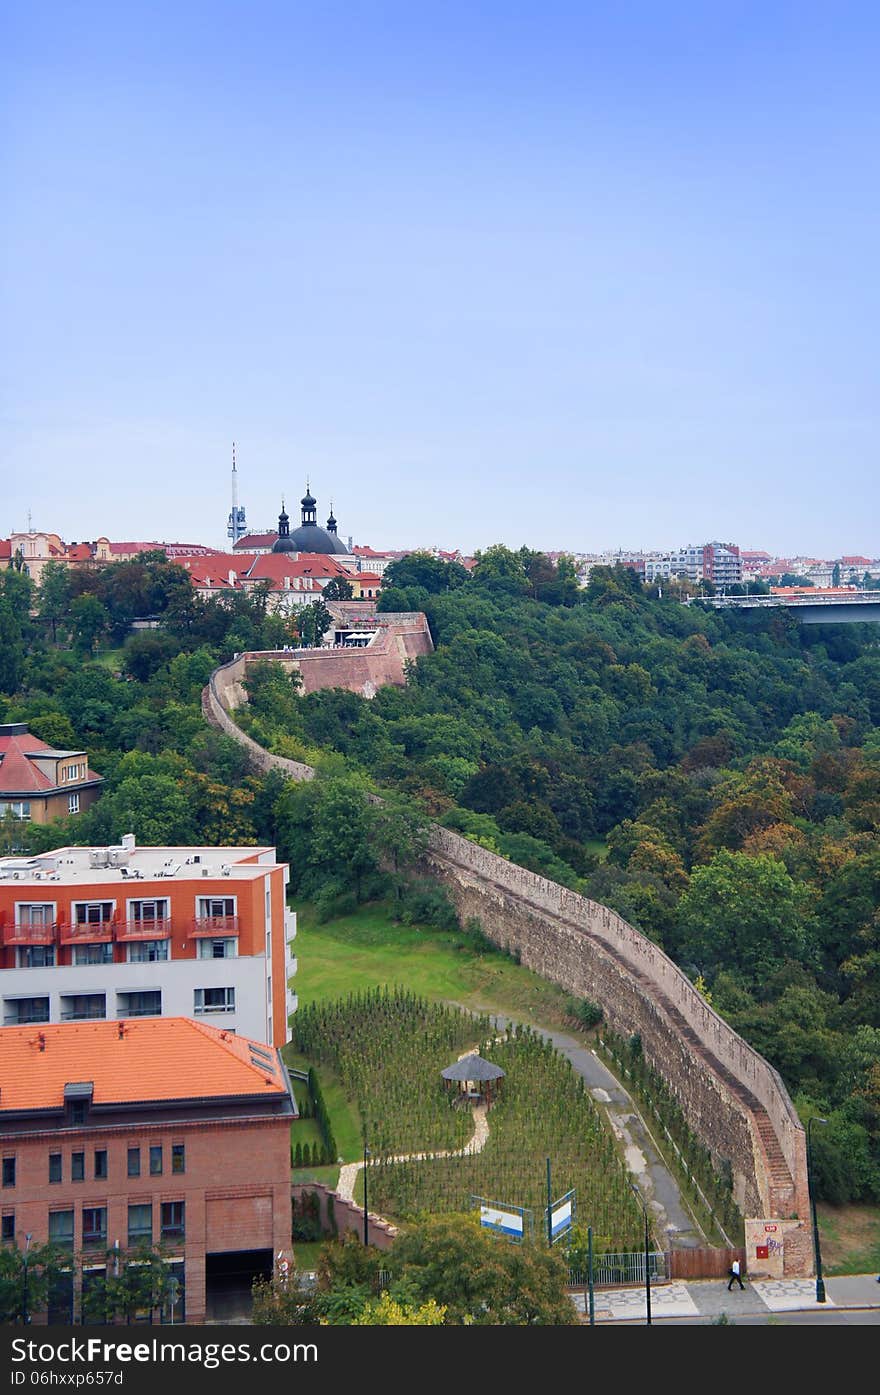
(647, 1255)
(366, 1212)
(25, 1315)
(820, 1282)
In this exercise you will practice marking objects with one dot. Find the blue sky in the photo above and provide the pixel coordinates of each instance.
(571, 275)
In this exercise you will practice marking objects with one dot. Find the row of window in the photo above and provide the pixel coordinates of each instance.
(80, 1007)
(140, 912)
(21, 808)
(138, 952)
(155, 1152)
(172, 1225)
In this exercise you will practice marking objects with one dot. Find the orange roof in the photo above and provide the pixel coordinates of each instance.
(157, 1058)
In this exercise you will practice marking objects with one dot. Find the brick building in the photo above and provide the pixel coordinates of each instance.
(165, 1131)
(38, 783)
(123, 932)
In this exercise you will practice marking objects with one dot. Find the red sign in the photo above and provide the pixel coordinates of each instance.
(762, 1252)
(770, 1228)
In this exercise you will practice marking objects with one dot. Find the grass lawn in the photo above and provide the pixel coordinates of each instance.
(849, 1237)
(367, 949)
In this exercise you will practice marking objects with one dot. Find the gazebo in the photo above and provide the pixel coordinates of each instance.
(476, 1078)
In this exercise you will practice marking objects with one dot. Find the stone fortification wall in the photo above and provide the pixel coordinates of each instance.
(733, 1099)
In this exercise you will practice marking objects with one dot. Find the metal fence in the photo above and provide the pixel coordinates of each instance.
(613, 1269)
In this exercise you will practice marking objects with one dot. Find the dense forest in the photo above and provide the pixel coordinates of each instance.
(714, 777)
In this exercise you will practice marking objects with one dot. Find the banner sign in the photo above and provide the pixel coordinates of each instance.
(562, 1216)
(512, 1221)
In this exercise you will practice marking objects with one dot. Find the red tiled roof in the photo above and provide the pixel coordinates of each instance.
(18, 775)
(251, 540)
(161, 1058)
(275, 566)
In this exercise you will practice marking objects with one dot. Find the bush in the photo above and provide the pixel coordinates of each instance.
(587, 1013)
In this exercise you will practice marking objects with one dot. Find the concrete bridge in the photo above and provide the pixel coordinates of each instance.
(848, 608)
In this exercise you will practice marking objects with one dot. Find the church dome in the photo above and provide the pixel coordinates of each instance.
(309, 536)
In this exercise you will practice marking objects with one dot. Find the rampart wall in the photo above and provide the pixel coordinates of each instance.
(733, 1099)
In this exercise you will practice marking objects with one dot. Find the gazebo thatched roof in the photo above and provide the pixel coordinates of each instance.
(472, 1068)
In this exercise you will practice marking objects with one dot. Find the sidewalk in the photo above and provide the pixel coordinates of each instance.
(710, 1298)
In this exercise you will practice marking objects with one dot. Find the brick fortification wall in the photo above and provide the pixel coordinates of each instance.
(734, 1101)
(347, 1215)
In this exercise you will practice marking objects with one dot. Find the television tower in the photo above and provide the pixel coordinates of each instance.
(236, 527)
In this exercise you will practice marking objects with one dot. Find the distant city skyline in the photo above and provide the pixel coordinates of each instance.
(586, 278)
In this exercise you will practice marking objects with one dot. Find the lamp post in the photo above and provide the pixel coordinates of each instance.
(366, 1212)
(25, 1315)
(820, 1282)
(647, 1255)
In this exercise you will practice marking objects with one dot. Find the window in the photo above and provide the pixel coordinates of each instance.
(134, 1162)
(100, 1162)
(93, 954)
(36, 956)
(145, 1004)
(173, 1227)
(19, 1012)
(93, 912)
(156, 1160)
(54, 1167)
(9, 1172)
(214, 1000)
(178, 1157)
(225, 948)
(215, 907)
(19, 808)
(140, 1224)
(94, 1225)
(73, 804)
(8, 1231)
(36, 913)
(78, 1110)
(61, 1228)
(77, 1167)
(147, 951)
(82, 1007)
(147, 913)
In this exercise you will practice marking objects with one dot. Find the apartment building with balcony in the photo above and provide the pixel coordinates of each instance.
(130, 932)
(168, 1132)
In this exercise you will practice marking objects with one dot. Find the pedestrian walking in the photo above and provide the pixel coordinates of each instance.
(735, 1274)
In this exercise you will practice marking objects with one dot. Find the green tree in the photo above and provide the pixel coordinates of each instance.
(90, 620)
(136, 1284)
(54, 595)
(338, 589)
(744, 913)
(26, 1276)
(313, 622)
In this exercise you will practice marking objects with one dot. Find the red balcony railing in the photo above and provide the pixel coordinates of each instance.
(213, 925)
(30, 934)
(73, 933)
(144, 929)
